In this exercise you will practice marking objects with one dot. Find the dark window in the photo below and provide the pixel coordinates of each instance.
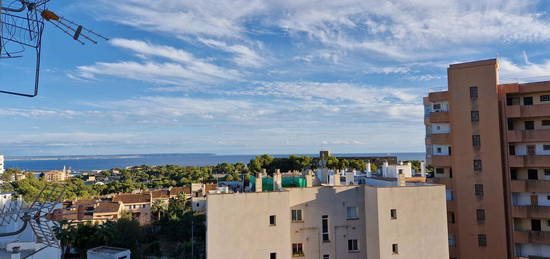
(352, 245)
(529, 125)
(478, 190)
(509, 101)
(476, 140)
(548, 197)
(451, 217)
(475, 115)
(272, 220)
(548, 223)
(547, 171)
(393, 214)
(324, 225)
(473, 91)
(326, 256)
(450, 173)
(535, 225)
(395, 248)
(512, 149)
(296, 215)
(437, 106)
(510, 124)
(439, 171)
(297, 249)
(545, 122)
(480, 215)
(532, 174)
(450, 151)
(528, 100)
(514, 174)
(273, 256)
(545, 98)
(531, 150)
(482, 240)
(545, 147)
(477, 165)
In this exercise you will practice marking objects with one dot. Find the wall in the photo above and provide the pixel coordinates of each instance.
(418, 234)
(230, 231)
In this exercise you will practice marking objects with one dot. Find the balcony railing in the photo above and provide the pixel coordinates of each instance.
(537, 237)
(541, 212)
(530, 185)
(436, 117)
(529, 161)
(537, 110)
(539, 135)
(440, 161)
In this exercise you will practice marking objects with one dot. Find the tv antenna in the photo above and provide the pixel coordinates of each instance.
(22, 23)
(38, 215)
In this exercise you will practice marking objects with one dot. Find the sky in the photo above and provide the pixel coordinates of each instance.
(251, 77)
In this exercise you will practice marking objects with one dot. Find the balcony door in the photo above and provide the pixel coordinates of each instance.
(532, 174)
(535, 225)
(534, 200)
(531, 150)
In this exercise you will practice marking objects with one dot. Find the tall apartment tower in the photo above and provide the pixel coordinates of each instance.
(489, 144)
(1, 164)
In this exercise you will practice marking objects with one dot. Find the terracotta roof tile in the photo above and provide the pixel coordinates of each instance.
(132, 198)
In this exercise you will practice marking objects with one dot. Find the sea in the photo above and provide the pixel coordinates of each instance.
(104, 162)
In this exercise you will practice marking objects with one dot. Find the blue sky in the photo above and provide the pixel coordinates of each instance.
(231, 76)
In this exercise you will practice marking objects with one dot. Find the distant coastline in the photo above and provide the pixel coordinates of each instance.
(104, 162)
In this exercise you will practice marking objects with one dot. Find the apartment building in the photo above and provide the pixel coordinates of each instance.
(139, 205)
(55, 176)
(329, 221)
(489, 143)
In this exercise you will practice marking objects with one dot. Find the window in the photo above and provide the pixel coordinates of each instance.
(144, 206)
(450, 217)
(548, 223)
(473, 91)
(395, 249)
(480, 215)
(352, 213)
(512, 149)
(326, 256)
(296, 215)
(324, 226)
(531, 150)
(439, 171)
(545, 147)
(545, 122)
(475, 115)
(509, 101)
(529, 125)
(478, 190)
(437, 106)
(482, 240)
(297, 249)
(353, 245)
(273, 256)
(514, 174)
(452, 240)
(272, 220)
(438, 150)
(510, 124)
(400, 171)
(528, 100)
(438, 127)
(393, 214)
(477, 165)
(450, 173)
(548, 197)
(476, 140)
(547, 171)
(545, 98)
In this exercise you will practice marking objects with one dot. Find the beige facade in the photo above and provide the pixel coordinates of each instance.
(488, 143)
(357, 221)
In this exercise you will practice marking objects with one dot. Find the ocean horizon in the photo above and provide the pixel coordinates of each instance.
(104, 162)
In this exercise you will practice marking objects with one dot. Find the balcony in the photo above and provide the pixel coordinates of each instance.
(440, 161)
(537, 237)
(539, 212)
(529, 161)
(438, 96)
(518, 111)
(448, 182)
(441, 139)
(539, 135)
(530, 185)
(436, 117)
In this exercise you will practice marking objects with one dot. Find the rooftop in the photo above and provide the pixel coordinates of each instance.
(132, 198)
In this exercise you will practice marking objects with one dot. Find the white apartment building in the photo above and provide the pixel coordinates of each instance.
(1, 164)
(377, 221)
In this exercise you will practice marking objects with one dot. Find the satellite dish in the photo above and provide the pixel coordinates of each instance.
(21, 27)
(38, 215)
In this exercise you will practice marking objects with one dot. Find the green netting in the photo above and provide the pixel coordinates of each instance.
(294, 182)
(267, 184)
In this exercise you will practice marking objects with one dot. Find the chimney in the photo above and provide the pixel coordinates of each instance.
(401, 181)
(337, 177)
(423, 169)
(259, 186)
(309, 178)
(277, 180)
(350, 178)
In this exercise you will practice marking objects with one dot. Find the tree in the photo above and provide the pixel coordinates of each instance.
(158, 207)
(373, 167)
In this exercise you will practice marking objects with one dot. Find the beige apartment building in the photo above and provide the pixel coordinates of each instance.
(489, 144)
(329, 222)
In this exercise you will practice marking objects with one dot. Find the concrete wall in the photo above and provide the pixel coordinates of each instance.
(238, 225)
(417, 233)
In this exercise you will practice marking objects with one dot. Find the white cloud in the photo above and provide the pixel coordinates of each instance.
(511, 72)
(244, 56)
